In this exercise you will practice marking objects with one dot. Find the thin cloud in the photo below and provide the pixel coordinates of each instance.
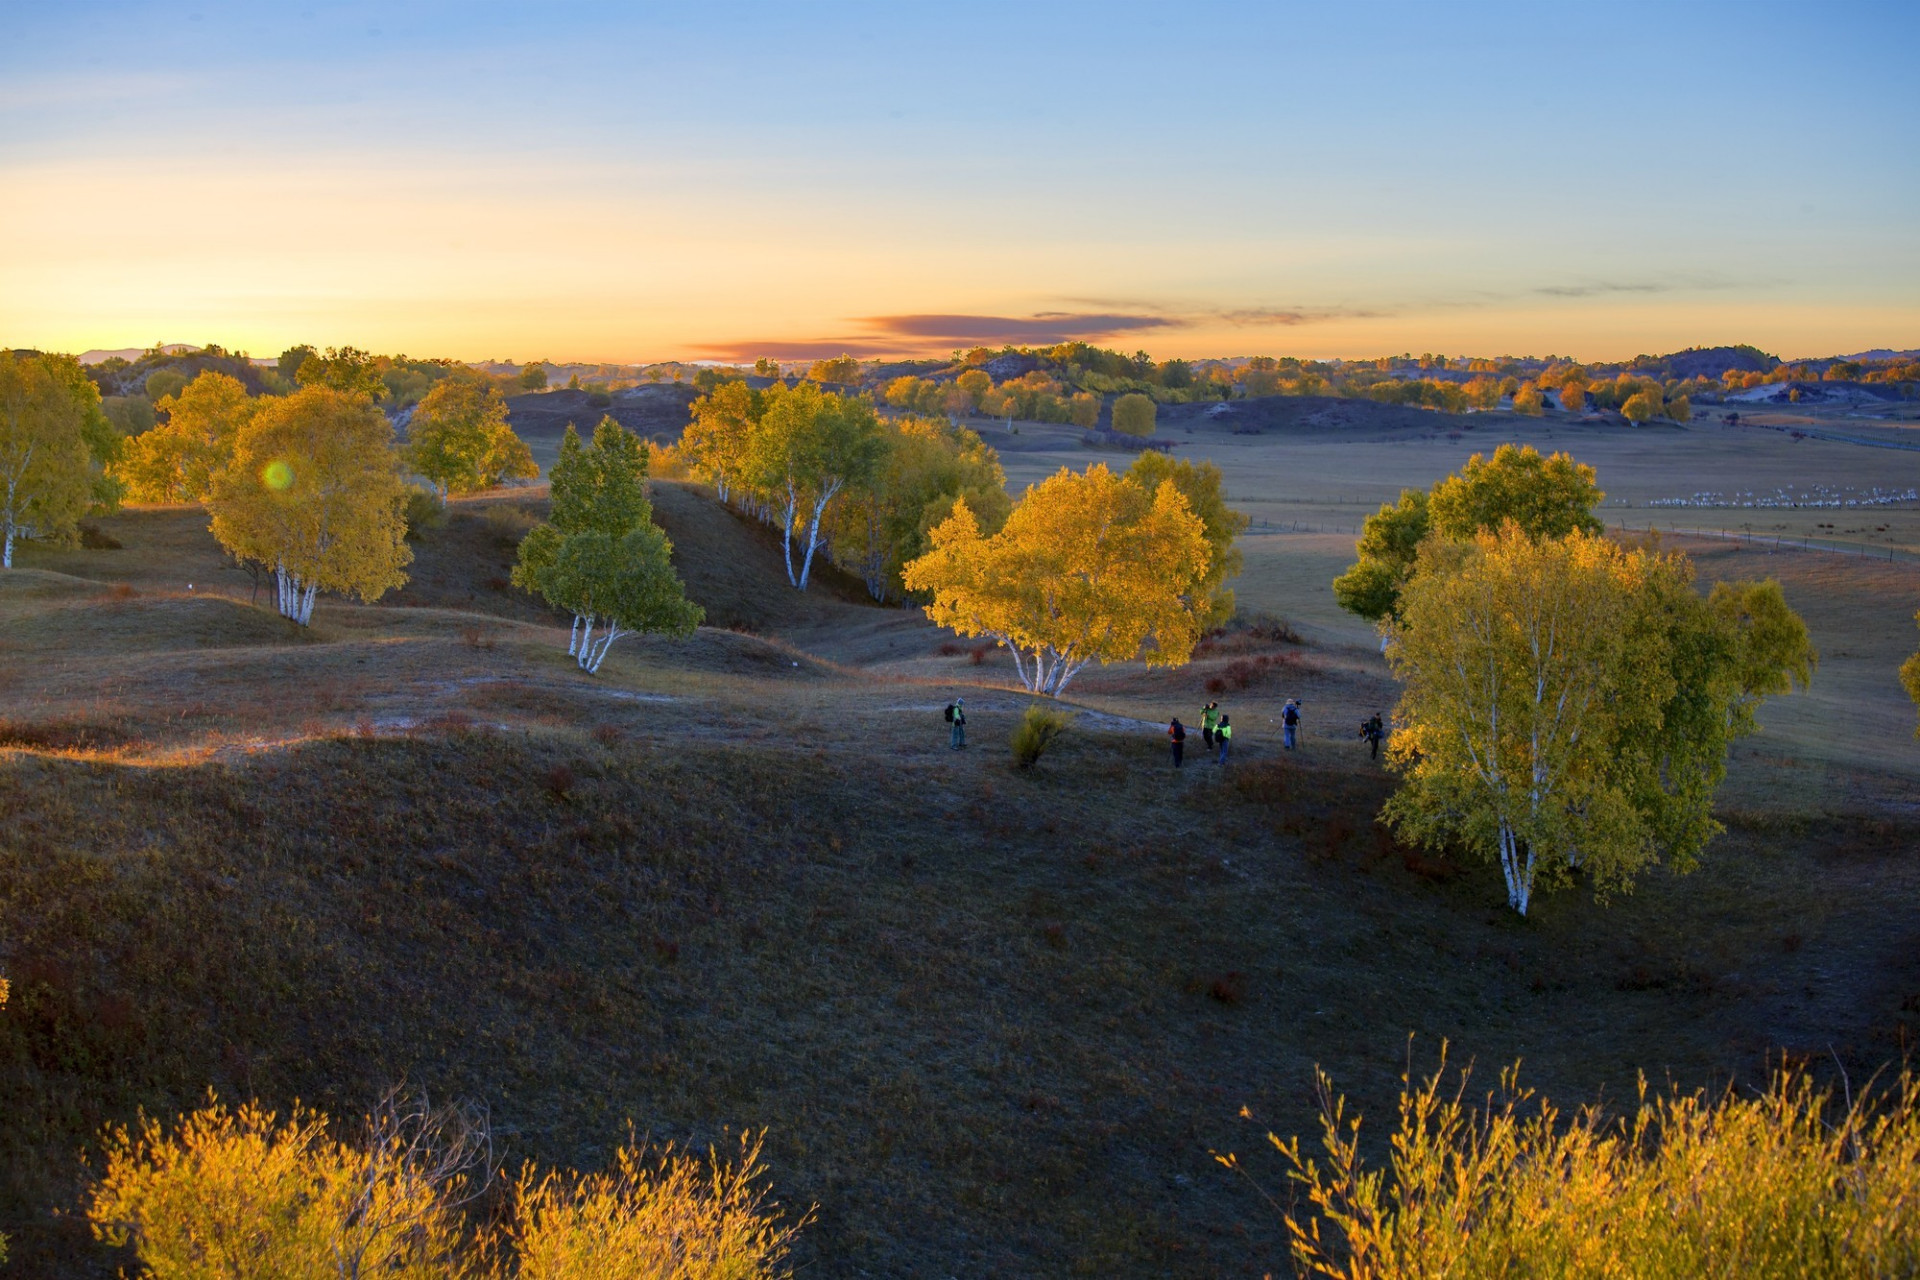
(739, 352)
(1605, 287)
(932, 333)
(1286, 317)
(1041, 329)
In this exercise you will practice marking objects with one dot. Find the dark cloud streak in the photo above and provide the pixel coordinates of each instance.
(1042, 329)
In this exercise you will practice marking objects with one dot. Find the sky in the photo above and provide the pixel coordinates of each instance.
(716, 181)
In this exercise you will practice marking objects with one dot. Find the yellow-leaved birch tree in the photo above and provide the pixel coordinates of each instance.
(1518, 674)
(314, 490)
(1087, 567)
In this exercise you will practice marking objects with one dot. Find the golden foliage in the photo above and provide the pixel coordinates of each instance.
(46, 478)
(1568, 703)
(1037, 730)
(1088, 566)
(1519, 678)
(230, 1194)
(1785, 1184)
(247, 1195)
(176, 461)
(459, 439)
(1133, 415)
(314, 489)
(670, 1217)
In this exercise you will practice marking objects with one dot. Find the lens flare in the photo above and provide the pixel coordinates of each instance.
(278, 476)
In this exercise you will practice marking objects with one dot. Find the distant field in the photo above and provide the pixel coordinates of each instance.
(1849, 741)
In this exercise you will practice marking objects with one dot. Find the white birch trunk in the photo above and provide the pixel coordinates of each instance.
(813, 529)
(786, 531)
(586, 641)
(573, 638)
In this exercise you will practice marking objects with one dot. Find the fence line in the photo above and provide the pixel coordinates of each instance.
(1893, 555)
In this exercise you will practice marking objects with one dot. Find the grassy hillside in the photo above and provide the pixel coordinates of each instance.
(993, 1021)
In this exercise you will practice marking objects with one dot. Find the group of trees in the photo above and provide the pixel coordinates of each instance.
(1089, 566)
(309, 484)
(599, 556)
(1567, 702)
(825, 469)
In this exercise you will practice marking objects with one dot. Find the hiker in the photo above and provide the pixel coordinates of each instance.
(957, 717)
(1209, 717)
(1372, 731)
(1290, 721)
(1177, 733)
(1223, 734)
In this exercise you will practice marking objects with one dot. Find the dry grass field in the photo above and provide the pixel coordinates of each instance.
(993, 1021)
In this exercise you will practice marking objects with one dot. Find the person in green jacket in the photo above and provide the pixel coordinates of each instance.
(1209, 720)
(1223, 734)
(957, 717)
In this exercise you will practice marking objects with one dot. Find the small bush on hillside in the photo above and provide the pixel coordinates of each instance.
(248, 1193)
(1785, 1184)
(1133, 415)
(508, 523)
(424, 512)
(1035, 733)
(673, 1217)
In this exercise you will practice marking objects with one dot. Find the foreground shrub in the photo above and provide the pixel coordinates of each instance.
(1786, 1184)
(1035, 733)
(228, 1195)
(246, 1193)
(673, 1217)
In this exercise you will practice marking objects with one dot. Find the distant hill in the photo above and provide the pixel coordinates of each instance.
(130, 354)
(658, 411)
(1706, 362)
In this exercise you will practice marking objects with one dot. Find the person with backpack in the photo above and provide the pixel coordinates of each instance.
(1209, 717)
(1177, 734)
(1290, 723)
(1223, 734)
(957, 718)
(1372, 731)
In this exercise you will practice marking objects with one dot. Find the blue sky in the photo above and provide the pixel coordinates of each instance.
(643, 181)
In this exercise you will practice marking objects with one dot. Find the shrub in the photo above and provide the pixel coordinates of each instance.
(424, 512)
(1035, 733)
(509, 523)
(247, 1193)
(674, 1217)
(1133, 415)
(1786, 1183)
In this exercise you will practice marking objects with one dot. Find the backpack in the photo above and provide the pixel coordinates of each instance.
(949, 713)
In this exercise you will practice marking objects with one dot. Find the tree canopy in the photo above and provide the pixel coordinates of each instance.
(1088, 566)
(1133, 415)
(1568, 703)
(1201, 485)
(346, 369)
(47, 471)
(926, 467)
(459, 439)
(313, 489)
(176, 460)
(1547, 497)
(600, 556)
